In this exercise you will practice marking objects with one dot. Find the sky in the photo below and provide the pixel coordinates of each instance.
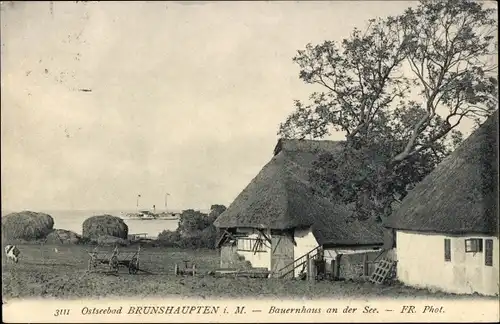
(185, 98)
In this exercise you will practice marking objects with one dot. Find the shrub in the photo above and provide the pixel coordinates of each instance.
(60, 236)
(200, 239)
(208, 237)
(169, 238)
(192, 221)
(26, 225)
(196, 230)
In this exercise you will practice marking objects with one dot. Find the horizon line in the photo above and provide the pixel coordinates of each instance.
(99, 209)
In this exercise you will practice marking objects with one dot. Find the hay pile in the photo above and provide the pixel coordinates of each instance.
(61, 236)
(26, 225)
(104, 225)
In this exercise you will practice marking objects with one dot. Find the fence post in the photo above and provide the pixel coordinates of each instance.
(337, 266)
(308, 265)
(365, 265)
(312, 274)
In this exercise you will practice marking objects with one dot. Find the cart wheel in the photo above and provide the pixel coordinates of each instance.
(133, 266)
(113, 264)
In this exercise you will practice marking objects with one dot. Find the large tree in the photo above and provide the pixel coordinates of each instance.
(398, 89)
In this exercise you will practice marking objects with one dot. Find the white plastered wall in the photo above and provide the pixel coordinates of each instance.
(421, 263)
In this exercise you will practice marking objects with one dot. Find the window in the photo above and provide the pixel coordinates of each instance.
(251, 245)
(244, 244)
(474, 245)
(488, 252)
(447, 250)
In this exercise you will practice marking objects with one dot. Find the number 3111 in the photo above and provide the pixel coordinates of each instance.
(60, 312)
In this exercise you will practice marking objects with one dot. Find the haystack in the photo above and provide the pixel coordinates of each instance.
(96, 226)
(26, 225)
(61, 236)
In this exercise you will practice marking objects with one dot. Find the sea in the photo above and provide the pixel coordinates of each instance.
(72, 220)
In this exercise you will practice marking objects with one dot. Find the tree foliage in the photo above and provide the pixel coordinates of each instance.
(398, 90)
(192, 221)
(215, 211)
(195, 230)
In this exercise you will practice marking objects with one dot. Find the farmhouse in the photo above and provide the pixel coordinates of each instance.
(279, 221)
(446, 229)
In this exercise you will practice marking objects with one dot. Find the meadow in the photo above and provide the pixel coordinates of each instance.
(59, 271)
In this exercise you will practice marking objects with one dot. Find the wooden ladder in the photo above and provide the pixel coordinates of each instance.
(301, 261)
(384, 268)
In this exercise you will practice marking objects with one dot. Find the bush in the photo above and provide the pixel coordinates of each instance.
(104, 225)
(196, 230)
(60, 236)
(26, 225)
(86, 241)
(208, 237)
(169, 238)
(192, 221)
(200, 239)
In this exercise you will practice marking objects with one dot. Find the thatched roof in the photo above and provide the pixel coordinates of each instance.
(281, 197)
(460, 195)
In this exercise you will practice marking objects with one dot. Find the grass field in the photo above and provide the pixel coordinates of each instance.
(43, 272)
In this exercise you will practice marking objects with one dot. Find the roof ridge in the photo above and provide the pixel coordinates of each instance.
(304, 145)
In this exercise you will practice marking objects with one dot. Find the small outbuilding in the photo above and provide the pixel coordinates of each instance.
(279, 219)
(446, 229)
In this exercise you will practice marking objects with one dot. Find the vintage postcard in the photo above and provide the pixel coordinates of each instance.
(260, 161)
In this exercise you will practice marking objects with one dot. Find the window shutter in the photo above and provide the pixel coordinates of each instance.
(447, 250)
(488, 255)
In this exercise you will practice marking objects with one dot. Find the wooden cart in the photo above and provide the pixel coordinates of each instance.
(112, 261)
(187, 270)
